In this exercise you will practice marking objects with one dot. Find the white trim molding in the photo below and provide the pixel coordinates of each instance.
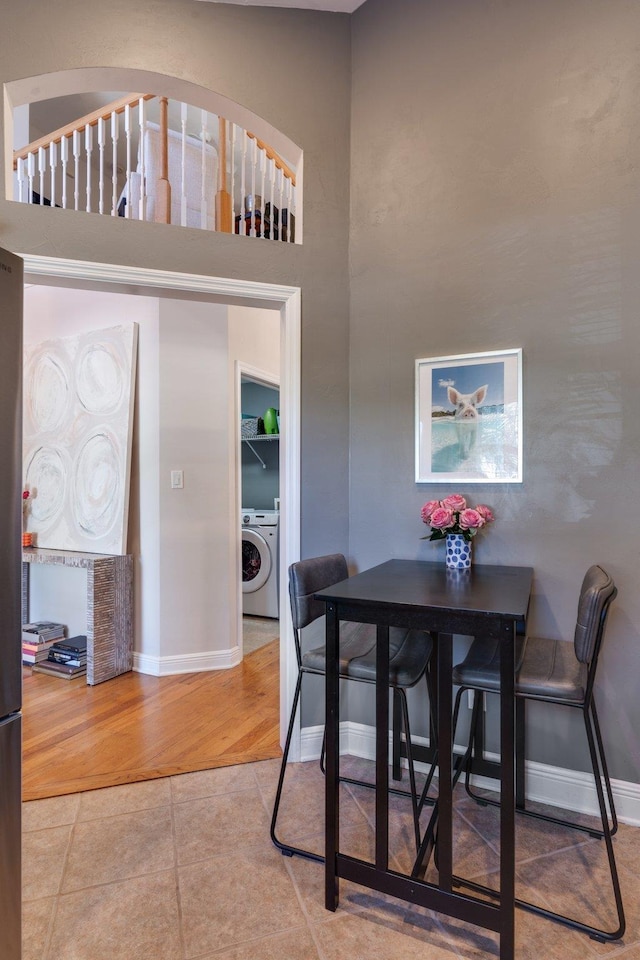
(569, 789)
(188, 663)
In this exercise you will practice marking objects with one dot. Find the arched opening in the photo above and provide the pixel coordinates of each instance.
(137, 145)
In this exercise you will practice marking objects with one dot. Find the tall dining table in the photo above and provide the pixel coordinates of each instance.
(487, 600)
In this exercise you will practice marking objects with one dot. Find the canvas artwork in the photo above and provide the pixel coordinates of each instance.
(78, 418)
(469, 418)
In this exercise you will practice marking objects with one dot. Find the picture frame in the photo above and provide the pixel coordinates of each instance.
(468, 418)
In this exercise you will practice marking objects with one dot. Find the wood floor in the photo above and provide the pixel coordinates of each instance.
(138, 727)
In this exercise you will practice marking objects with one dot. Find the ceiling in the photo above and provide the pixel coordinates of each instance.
(333, 6)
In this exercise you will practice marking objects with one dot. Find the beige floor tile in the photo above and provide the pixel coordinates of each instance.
(576, 882)
(227, 901)
(383, 935)
(302, 811)
(133, 920)
(206, 783)
(43, 857)
(219, 825)
(36, 917)
(52, 812)
(128, 798)
(298, 945)
(114, 848)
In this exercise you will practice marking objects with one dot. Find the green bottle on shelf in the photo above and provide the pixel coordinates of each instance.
(271, 420)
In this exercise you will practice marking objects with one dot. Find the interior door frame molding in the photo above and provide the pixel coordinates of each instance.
(248, 293)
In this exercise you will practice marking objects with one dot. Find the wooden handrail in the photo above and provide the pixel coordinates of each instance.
(272, 155)
(90, 120)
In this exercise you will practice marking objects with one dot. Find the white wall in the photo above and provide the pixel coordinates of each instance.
(198, 588)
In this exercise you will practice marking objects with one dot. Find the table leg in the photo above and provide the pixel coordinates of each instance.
(382, 747)
(444, 837)
(507, 791)
(332, 729)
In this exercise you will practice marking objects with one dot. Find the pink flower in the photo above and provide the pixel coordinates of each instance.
(441, 518)
(485, 512)
(454, 502)
(25, 494)
(428, 509)
(470, 520)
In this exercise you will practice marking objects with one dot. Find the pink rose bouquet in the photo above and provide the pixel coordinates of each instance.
(452, 515)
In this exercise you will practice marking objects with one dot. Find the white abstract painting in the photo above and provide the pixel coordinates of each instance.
(78, 419)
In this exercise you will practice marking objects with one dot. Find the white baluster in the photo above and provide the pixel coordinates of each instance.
(101, 142)
(292, 211)
(53, 165)
(88, 146)
(143, 175)
(281, 201)
(183, 165)
(263, 170)
(254, 150)
(127, 133)
(275, 226)
(232, 188)
(21, 178)
(42, 166)
(115, 132)
(243, 185)
(31, 171)
(64, 159)
(76, 169)
(203, 169)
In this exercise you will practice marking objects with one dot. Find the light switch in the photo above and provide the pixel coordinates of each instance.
(177, 479)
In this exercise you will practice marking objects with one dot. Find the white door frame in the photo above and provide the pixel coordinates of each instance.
(250, 293)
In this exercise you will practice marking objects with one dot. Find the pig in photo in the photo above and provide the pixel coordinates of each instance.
(466, 416)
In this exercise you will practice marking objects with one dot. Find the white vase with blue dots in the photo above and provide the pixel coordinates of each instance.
(458, 555)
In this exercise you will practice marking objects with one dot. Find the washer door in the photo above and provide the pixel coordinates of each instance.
(256, 561)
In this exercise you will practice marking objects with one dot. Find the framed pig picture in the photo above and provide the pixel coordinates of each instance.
(469, 418)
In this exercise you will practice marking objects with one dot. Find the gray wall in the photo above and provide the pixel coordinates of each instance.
(291, 68)
(495, 185)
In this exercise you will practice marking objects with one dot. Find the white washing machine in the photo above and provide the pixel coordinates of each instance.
(260, 562)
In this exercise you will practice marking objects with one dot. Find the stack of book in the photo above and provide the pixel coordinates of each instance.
(38, 638)
(66, 658)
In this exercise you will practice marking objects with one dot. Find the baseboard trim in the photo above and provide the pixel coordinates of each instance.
(569, 789)
(186, 663)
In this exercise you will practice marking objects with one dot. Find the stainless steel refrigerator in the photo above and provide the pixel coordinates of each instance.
(11, 290)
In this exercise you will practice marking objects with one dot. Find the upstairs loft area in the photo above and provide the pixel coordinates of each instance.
(140, 156)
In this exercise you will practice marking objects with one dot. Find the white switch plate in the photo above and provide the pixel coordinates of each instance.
(177, 479)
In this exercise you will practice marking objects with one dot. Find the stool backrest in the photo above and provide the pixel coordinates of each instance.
(306, 577)
(596, 594)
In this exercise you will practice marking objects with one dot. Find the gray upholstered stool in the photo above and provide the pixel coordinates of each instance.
(554, 672)
(409, 655)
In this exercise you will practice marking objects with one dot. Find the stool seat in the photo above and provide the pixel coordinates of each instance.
(409, 653)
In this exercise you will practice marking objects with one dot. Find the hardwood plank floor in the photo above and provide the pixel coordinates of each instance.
(137, 727)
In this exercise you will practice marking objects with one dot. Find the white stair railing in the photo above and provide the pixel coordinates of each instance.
(160, 160)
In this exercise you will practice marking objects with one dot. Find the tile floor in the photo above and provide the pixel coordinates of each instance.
(256, 631)
(183, 868)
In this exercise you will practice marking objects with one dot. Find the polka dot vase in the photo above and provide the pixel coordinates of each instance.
(458, 555)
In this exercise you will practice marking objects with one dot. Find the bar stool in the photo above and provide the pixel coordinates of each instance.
(561, 673)
(409, 655)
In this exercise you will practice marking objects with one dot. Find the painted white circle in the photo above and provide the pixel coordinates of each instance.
(46, 478)
(97, 485)
(48, 393)
(99, 378)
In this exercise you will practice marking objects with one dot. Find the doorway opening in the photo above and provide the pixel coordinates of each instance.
(259, 392)
(220, 291)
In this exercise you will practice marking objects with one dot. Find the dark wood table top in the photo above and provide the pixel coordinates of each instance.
(420, 585)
